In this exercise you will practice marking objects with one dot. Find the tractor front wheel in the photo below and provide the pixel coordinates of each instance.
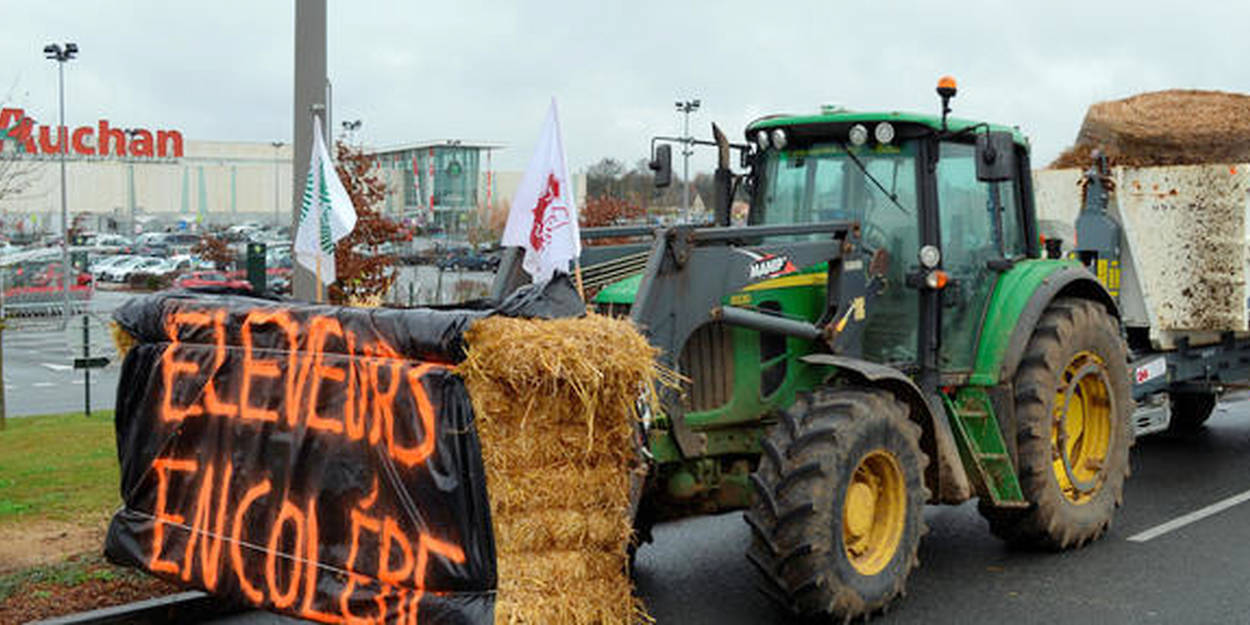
(839, 505)
(1073, 409)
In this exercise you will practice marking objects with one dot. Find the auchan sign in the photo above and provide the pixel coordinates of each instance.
(24, 135)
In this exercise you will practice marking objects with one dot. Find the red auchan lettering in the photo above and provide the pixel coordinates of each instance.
(99, 140)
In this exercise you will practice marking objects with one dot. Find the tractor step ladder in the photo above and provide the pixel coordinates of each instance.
(981, 444)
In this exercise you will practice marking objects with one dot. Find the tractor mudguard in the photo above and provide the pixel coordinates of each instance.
(997, 360)
(947, 471)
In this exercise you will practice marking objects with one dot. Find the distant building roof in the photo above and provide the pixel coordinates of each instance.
(443, 143)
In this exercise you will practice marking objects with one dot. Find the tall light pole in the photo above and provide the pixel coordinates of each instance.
(686, 107)
(131, 133)
(277, 146)
(56, 53)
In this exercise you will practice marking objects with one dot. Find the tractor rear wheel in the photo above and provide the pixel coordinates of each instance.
(1190, 411)
(839, 504)
(1073, 409)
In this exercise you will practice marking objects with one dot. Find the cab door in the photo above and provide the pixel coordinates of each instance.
(980, 230)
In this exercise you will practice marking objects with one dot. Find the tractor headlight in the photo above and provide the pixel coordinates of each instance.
(884, 132)
(858, 134)
(930, 256)
(779, 138)
(761, 139)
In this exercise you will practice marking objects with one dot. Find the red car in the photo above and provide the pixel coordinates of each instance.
(198, 279)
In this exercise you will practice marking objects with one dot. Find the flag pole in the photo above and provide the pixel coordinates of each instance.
(319, 284)
(577, 277)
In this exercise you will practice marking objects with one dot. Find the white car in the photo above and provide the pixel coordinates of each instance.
(110, 240)
(100, 266)
(121, 271)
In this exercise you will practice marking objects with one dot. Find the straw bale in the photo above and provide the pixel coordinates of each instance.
(537, 443)
(1173, 127)
(123, 341)
(597, 602)
(539, 530)
(596, 488)
(556, 405)
(549, 571)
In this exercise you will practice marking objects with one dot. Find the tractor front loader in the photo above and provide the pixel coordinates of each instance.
(881, 333)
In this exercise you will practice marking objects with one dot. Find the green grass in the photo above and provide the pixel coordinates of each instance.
(58, 467)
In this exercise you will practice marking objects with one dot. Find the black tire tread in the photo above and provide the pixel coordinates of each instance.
(1190, 411)
(793, 532)
(1051, 522)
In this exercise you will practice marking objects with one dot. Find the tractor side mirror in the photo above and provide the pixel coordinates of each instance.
(996, 156)
(662, 165)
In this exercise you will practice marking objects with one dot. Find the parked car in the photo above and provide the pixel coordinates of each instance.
(470, 260)
(201, 279)
(98, 267)
(107, 241)
(121, 271)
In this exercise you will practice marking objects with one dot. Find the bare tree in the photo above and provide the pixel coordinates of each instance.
(19, 171)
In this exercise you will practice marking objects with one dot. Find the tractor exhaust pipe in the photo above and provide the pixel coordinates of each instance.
(722, 181)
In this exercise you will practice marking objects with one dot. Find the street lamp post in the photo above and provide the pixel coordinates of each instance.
(277, 146)
(56, 53)
(686, 107)
(131, 133)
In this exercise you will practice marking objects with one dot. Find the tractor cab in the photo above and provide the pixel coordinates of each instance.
(942, 203)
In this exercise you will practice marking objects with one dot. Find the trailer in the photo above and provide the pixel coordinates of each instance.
(1169, 243)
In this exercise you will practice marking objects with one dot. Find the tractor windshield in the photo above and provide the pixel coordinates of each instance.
(823, 183)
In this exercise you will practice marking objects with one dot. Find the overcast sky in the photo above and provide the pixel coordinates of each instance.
(485, 71)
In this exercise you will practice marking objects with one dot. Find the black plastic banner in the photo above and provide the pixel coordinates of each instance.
(313, 460)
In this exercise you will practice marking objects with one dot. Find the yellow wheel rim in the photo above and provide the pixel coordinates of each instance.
(1081, 429)
(874, 512)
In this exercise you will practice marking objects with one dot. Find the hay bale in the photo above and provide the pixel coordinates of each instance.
(1173, 127)
(556, 410)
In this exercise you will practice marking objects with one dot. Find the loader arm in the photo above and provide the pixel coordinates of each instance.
(689, 272)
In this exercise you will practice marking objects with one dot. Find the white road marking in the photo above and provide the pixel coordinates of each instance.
(1192, 517)
(55, 366)
(43, 384)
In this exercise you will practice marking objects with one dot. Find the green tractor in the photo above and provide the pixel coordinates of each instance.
(883, 332)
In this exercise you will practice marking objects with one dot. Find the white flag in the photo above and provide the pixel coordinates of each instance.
(326, 213)
(543, 217)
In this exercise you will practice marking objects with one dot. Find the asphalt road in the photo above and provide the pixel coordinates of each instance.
(39, 377)
(695, 573)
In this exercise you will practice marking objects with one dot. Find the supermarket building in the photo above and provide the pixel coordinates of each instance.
(138, 179)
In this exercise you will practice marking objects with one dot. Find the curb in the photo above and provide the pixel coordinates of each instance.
(184, 607)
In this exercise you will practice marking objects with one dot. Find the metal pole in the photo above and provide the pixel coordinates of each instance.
(277, 145)
(130, 175)
(309, 90)
(61, 141)
(86, 371)
(3, 407)
(685, 167)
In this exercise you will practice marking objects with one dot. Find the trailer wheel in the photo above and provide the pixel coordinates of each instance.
(839, 502)
(1190, 411)
(1073, 408)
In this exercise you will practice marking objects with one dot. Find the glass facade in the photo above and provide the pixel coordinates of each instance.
(449, 176)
